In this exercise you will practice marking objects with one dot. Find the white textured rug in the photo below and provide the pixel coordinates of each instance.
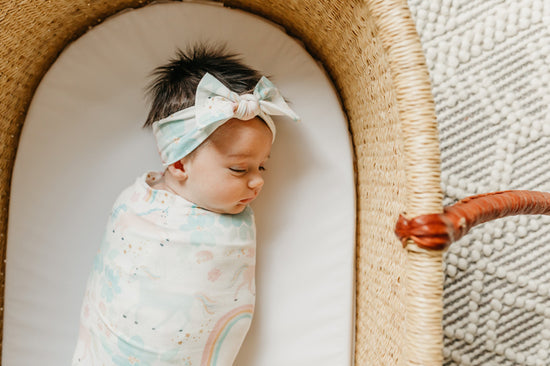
(489, 62)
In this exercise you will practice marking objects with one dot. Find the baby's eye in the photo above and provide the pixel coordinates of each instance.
(237, 170)
(262, 168)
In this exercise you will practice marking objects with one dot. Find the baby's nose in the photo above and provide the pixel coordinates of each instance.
(256, 182)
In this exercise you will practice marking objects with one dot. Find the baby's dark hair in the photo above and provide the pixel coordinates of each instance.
(175, 83)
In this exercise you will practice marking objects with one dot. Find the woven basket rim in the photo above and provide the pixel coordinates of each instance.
(372, 34)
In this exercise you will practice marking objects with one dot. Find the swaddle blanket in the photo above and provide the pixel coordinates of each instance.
(172, 284)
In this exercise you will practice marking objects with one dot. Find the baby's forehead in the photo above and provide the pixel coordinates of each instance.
(237, 130)
(244, 151)
(243, 140)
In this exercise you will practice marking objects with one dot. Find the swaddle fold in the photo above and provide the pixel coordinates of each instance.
(172, 284)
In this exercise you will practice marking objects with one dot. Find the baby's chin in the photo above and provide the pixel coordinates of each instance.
(233, 210)
(237, 209)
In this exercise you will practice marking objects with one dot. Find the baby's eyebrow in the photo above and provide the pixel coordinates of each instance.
(239, 155)
(243, 155)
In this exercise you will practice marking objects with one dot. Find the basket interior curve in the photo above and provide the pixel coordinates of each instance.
(343, 36)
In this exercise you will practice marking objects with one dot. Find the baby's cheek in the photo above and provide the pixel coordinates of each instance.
(229, 190)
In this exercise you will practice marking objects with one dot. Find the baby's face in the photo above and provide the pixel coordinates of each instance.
(225, 174)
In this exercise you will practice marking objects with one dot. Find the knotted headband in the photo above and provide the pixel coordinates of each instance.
(182, 132)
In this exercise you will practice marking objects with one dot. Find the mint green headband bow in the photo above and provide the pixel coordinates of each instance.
(182, 132)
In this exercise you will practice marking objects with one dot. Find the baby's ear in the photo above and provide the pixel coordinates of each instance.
(177, 170)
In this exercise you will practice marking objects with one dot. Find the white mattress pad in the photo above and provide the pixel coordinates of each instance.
(82, 143)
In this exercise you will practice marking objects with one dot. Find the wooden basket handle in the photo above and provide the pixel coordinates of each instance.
(437, 231)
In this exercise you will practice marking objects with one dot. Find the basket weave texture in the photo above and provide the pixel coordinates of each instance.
(371, 51)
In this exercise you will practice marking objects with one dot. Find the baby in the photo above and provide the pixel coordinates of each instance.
(173, 280)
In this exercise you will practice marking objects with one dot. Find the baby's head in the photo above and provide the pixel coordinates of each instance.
(175, 84)
(210, 115)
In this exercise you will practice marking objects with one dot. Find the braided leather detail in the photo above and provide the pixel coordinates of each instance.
(437, 231)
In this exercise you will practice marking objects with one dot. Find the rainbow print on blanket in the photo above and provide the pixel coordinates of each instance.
(172, 284)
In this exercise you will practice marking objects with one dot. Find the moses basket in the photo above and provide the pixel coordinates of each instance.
(373, 54)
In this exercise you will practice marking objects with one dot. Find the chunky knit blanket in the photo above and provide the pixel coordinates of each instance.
(489, 62)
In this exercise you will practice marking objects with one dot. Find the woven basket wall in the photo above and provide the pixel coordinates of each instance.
(373, 54)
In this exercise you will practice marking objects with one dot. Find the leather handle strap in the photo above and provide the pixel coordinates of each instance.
(437, 231)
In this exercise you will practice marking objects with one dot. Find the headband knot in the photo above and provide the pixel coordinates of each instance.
(247, 107)
(182, 132)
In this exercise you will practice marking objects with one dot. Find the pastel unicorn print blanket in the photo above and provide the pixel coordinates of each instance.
(172, 284)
